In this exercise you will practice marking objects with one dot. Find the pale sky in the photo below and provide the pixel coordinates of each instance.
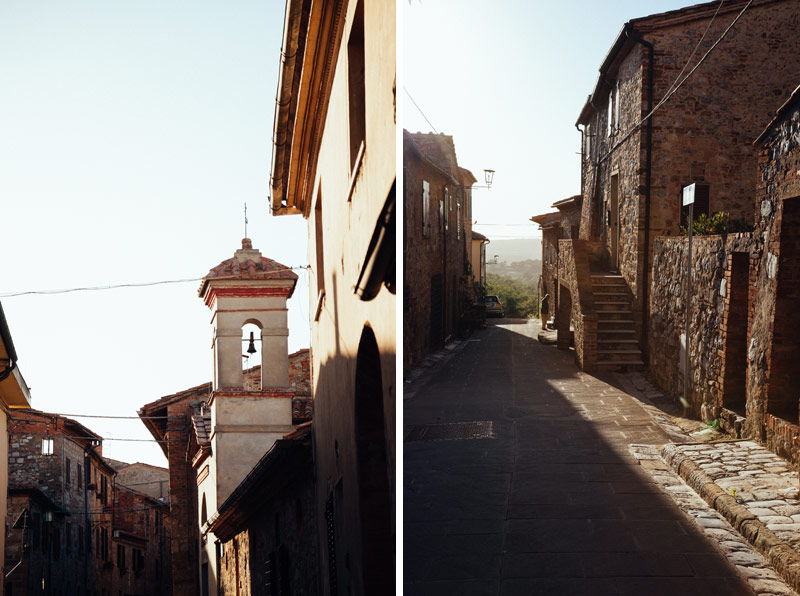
(131, 135)
(508, 80)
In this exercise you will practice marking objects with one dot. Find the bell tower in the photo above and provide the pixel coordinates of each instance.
(246, 421)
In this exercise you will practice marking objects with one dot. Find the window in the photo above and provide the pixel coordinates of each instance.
(701, 203)
(47, 446)
(616, 107)
(357, 93)
(103, 489)
(318, 247)
(68, 537)
(67, 472)
(138, 560)
(611, 113)
(587, 142)
(79, 479)
(458, 220)
(446, 203)
(121, 559)
(426, 208)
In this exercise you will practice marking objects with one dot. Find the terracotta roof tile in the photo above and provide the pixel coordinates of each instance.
(247, 263)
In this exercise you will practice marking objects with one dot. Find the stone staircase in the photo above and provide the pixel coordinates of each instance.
(617, 343)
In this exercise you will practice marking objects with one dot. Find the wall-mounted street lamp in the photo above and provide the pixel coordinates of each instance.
(488, 176)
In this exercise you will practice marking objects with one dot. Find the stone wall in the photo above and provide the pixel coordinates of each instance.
(278, 551)
(703, 134)
(772, 403)
(434, 259)
(709, 321)
(576, 302)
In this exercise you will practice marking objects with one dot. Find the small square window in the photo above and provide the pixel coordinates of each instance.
(47, 446)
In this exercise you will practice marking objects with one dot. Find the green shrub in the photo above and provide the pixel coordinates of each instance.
(716, 223)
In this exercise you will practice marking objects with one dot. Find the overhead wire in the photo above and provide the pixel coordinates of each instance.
(675, 88)
(125, 285)
(420, 110)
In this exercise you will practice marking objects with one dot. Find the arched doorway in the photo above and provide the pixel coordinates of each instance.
(373, 478)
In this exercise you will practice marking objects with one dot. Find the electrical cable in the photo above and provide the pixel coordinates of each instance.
(128, 285)
(420, 110)
(669, 95)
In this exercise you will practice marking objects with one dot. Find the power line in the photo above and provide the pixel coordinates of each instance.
(114, 417)
(127, 285)
(675, 88)
(420, 110)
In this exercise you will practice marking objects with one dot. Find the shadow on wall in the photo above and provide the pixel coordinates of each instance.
(353, 438)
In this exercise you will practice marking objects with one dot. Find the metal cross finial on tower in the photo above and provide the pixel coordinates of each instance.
(245, 220)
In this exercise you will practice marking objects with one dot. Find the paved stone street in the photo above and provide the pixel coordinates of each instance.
(522, 476)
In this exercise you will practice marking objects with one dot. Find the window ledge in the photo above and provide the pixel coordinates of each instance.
(320, 303)
(356, 170)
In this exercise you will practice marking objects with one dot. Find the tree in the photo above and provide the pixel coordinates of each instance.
(519, 299)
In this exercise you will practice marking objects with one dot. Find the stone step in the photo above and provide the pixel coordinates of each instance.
(611, 306)
(604, 325)
(623, 332)
(621, 293)
(617, 365)
(614, 315)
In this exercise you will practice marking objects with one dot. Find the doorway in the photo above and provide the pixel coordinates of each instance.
(613, 228)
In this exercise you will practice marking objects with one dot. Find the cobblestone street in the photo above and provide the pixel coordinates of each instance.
(523, 475)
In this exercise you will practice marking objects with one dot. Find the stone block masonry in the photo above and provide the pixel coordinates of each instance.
(710, 320)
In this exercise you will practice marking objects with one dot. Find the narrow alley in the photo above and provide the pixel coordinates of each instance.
(519, 479)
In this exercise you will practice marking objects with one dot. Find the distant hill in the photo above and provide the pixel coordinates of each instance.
(514, 250)
(525, 271)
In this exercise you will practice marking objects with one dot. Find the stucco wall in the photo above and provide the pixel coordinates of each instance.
(343, 317)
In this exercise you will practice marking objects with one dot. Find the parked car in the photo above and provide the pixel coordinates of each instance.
(493, 307)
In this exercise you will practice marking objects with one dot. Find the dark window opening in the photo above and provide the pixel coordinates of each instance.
(701, 203)
(357, 86)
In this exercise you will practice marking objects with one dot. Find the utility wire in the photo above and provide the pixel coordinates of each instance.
(669, 95)
(694, 51)
(420, 110)
(128, 285)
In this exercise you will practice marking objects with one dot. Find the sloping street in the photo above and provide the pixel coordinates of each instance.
(519, 479)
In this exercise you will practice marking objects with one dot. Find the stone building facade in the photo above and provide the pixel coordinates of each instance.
(267, 528)
(14, 394)
(66, 518)
(772, 340)
(633, 167)
(438, 277)
(178, 415)
(477, 262)
(334, 163)
(742, 338)
(556, 225)
(169, 421)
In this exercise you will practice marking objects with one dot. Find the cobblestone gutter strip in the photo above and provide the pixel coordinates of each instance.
(780, 554)
(749, 563)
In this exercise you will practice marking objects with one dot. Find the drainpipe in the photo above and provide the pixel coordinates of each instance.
(648, 172)
(583, 144)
